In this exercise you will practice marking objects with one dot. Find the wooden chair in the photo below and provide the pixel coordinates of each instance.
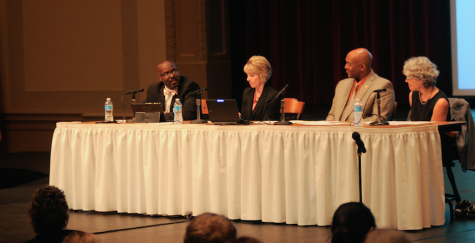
(204, 107)
(293, 108)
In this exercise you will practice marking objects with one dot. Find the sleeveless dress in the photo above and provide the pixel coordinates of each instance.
(420, 112)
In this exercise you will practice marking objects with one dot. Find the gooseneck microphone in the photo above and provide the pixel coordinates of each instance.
(378, 102)
(135, 91)
(356, 136)
(281, 92)
(198, 91)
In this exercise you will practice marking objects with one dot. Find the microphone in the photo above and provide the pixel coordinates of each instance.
(357, 138)
(198, 91)
(280, 93)
(379, 90)
(135, 91)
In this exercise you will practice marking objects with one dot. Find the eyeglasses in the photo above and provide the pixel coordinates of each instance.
(167, 74)
(407, 78)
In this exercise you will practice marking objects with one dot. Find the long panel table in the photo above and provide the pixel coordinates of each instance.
(283, 174)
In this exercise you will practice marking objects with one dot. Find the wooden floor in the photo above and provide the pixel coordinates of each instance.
(114, 227)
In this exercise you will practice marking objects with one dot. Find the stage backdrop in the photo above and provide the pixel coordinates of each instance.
(306, 42)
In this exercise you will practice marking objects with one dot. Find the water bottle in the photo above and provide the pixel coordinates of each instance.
(177, 110)
(358, 112)
(109, 111)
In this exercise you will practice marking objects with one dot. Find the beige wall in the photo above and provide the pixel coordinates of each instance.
(61, 59)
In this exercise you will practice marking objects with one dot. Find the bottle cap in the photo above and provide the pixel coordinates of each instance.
(108, 99)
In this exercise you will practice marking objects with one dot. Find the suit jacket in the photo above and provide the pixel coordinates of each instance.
(367, 98)
(264, 110)
(460, 111)
(185, 86)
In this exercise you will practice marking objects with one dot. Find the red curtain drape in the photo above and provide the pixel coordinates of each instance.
(306, 42)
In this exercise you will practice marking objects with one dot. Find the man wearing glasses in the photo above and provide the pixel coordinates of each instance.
(173, 86)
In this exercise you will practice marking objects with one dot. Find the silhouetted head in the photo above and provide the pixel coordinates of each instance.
(351, 222)
(210, 228)
(247, 239)
(80, 237)
(49, 210)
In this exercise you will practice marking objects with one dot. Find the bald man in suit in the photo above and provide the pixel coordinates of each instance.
(358, 68)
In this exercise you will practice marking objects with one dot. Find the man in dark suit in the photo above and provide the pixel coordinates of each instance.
(173, 86)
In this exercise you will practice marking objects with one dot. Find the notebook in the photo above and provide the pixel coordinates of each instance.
(223, 111)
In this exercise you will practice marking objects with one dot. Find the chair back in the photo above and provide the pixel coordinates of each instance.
(204, 107)
(293, 108)
(465, 140)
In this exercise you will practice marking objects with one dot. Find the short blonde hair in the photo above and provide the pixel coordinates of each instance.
(260, 66)
(423, 68)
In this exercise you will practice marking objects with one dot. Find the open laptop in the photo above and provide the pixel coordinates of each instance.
(223, 111)
(149, 108)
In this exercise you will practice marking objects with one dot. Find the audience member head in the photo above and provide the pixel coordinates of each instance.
(387, 236)
(351, 222)
(422, 70)
(168, 74)
(358, 63)
(80, 237)
(210, 228)
(49, 210)
(247, 239)
(258, 65)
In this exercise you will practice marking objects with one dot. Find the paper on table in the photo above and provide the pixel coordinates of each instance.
(320, 123)
(408, 122)
(70, 122)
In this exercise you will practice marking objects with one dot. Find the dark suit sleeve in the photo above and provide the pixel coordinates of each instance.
(246, 107)
(273, 109)
(169, 116)
(189, 104)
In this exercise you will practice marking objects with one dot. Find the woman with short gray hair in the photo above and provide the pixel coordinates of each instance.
(428, 103)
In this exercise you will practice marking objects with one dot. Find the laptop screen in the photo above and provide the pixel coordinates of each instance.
(148, 107)
(223, 110)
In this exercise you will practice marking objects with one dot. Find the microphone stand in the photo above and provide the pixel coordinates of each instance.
(133, 102)
(198, 113)
(282, 107)
(378, 101)
(282, 115)
(361, 149)
(359, 172)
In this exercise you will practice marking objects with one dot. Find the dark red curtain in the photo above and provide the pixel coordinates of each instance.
(306, 42)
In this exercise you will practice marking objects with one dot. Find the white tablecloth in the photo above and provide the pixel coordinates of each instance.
(292, 174)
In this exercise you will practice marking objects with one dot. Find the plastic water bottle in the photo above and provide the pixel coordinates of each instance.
(177, 110)
(358, 112)
(109, 107)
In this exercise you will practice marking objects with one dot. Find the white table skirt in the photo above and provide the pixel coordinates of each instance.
(291, 174)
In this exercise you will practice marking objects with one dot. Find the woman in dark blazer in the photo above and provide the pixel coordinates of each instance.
(257, 101)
